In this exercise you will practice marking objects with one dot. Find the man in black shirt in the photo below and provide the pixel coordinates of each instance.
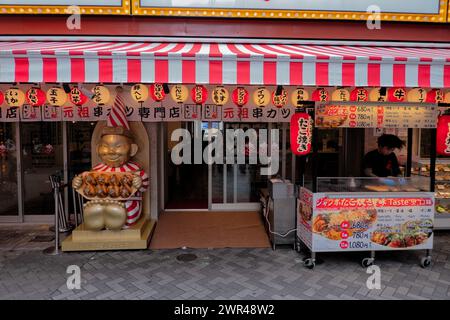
(382, 162)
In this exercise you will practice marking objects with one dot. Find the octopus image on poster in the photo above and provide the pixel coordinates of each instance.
(372, 223)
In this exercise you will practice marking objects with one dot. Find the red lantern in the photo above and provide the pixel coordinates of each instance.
(157, 92)
(443, 136)
(435, 96)
(240, 96)
(359, 94)
(321, 95)
(301, 133)
(279, 100)
(35, 97)
(77, 97)
(2, 98)
(396, 94)
(199, 94)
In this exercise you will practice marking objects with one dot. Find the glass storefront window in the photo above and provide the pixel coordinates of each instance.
(79, 147)
(42, 156)
(8, 170)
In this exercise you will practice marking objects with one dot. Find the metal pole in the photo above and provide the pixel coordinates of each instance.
(20, 176)
(54, 250)
(409, 153)
(314, 159)
(65, 171)
(283, 151)
(75, 210)
(433, 160)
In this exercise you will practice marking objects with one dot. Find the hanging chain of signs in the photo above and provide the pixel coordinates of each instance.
(261, 96)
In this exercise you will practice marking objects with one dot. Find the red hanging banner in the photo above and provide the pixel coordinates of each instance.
(301, 133)
(443, 136)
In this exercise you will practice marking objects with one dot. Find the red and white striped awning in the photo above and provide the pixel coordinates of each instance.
(214, 63)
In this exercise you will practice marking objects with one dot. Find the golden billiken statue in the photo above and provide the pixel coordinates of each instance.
(116, 148)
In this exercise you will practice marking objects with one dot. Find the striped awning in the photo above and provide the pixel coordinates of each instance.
(214, 63)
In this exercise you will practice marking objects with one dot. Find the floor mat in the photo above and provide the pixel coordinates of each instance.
(210, 230)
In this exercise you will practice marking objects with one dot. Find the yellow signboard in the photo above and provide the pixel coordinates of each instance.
(104, 7)
(384, 10)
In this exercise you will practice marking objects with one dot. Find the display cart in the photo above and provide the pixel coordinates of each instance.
(345, 214)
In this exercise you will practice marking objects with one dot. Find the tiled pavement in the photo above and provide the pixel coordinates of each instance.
(26, 273)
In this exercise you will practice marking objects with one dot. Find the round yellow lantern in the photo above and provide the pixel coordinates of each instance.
(179, 93)
(220, 95)
(101, 95)
(262, 97)
(139, 92)
(447, 97)
(340, 95)
(14, 97)
(56, 96)
(417, 95)
(298, 96)
(377, 95)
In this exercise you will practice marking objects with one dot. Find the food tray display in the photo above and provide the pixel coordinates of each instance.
(107, 185)
(442, 189)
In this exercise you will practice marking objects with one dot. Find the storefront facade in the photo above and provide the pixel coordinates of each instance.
(240, 56)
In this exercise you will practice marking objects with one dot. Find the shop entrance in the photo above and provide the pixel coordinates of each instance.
(215, 187)
(187, 184)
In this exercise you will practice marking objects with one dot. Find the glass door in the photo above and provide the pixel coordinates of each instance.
(188, 181)
(8, 171)
(42, 156)
(236, 186)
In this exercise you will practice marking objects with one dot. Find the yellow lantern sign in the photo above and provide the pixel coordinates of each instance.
(101, 95)
(14, 97)
(139, 92)
(56, 97)
(377, 95)
(417, 95)
(220, 95)
(340, 95)
(179, 93)
(299, 95)
(261, 97)
(447, 97)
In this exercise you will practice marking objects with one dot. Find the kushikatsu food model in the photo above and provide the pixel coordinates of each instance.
(113, 191)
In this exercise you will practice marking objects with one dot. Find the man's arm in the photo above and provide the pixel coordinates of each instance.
(368, 172)
(367, 166)
(395, 166)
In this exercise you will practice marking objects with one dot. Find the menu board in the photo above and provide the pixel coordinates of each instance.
(375, 222)
(376, 116)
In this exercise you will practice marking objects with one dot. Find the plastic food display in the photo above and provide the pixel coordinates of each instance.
(442, 189)
(331, 225)
(107, 185)
(409, 234)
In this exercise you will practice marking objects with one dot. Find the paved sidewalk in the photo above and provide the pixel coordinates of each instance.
(26, 273)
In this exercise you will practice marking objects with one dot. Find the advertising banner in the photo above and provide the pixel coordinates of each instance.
(110, 7)
(419, 10)
(373, 221)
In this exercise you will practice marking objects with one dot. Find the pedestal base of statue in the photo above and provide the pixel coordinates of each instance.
(136, 237)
